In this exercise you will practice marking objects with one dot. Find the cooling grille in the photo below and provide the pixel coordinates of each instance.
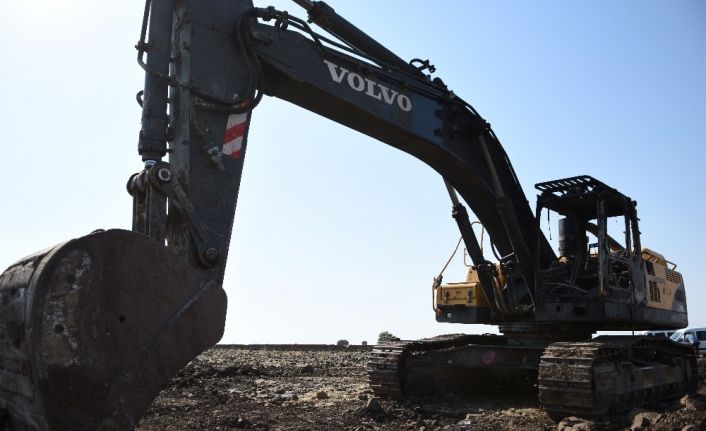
(673, 276)
(650, 268)
(654, 292)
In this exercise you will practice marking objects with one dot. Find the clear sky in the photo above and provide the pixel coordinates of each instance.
(337, 235)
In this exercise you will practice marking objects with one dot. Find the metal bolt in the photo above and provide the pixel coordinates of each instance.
(211, 254)
(164, 175)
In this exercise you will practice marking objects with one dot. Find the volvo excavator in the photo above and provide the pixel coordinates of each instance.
(93, 328)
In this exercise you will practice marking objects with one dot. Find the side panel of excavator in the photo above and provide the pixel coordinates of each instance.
(665, 286)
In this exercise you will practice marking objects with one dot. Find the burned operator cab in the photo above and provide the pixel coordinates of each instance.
(605, 283)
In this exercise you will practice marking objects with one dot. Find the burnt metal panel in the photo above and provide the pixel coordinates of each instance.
(606, 315)
(461, 314)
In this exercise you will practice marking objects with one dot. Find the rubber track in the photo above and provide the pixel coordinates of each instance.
(585, 378)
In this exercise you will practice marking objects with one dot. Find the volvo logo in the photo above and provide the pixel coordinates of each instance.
(368, 86)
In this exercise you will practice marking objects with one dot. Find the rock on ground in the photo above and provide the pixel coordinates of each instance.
(575, 424)
(691, 403)
(643, 421)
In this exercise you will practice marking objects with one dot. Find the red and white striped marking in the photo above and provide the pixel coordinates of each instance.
(235, 133)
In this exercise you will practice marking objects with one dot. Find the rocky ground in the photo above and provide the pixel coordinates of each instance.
(325, 388)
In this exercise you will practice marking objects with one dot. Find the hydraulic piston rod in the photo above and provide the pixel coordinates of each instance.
(324, 16)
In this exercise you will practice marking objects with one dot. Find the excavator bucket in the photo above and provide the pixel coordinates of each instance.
(92, 329)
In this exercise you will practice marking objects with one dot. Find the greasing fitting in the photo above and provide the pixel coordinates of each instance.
(164, 175)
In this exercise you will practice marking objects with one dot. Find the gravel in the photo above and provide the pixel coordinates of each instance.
(324, 388)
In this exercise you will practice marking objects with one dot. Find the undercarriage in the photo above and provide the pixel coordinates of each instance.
(607, 374)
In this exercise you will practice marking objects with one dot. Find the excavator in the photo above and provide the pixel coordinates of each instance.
(93, 328)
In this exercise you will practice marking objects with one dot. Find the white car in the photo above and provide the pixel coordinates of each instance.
(691, 336)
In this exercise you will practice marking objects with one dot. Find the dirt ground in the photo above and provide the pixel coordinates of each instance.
(324, 388)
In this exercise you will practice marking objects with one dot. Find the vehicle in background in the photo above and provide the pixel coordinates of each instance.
(693, 336)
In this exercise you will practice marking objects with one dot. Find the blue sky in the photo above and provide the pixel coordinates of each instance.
(337, 235)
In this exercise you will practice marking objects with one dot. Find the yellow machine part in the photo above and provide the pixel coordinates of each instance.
(468, 293)
(665, 285)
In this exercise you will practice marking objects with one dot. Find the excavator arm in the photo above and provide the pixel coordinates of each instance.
(227, 55)
(93, 328)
